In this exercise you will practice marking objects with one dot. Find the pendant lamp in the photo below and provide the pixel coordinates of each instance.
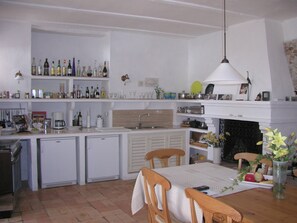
(225, 73)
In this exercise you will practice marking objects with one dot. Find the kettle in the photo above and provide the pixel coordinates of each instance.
(99, 121)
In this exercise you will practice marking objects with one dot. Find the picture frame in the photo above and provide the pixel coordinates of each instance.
(226, 97)
(244, 88)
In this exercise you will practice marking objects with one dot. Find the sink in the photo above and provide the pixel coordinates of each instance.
(145, 127)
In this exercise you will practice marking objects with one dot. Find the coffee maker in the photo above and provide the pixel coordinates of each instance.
(58, 120)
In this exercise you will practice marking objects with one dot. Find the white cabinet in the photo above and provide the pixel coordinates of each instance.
(141, 143)
(57, 162)
(102, 153)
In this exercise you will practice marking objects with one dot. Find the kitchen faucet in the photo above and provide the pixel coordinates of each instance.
(140, 117)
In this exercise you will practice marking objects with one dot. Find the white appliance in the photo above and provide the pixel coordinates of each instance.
(57, 162)
(58, 120)
(102, 153)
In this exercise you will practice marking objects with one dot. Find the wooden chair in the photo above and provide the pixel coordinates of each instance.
(151, 180)
(250, 157)
(163, 155)
(213, 209)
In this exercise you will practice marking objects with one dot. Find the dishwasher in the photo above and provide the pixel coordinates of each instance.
(102, 158)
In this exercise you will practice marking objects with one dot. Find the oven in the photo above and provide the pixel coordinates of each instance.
(10, 166)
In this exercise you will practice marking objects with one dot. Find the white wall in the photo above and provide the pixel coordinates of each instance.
(281, 80)
(254, 46)
(290, 30)
(144, 56)
(15, 53)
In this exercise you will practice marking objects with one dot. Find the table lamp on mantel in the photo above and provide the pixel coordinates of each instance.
(225, 73)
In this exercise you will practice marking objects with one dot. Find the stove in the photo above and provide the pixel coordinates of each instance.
(10, 172)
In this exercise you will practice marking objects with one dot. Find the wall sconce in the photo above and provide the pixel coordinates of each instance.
(125, 78)
(18, 76)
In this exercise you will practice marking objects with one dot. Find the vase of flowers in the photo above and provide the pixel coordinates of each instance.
(215, 142)
(281, 150)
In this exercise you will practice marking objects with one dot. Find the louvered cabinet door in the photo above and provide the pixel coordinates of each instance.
(157, 141)
(137, 150)
(176, 140)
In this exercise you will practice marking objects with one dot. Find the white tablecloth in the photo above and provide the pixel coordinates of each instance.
(215, 176)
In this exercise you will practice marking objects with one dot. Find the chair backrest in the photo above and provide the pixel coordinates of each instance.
(250, 157)
(163, 155)
(151, 180)
(213, 209)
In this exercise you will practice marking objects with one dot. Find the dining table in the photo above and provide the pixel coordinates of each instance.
(216, 177)
(259, 205)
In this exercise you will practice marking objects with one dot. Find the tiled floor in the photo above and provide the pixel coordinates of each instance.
(100, 202)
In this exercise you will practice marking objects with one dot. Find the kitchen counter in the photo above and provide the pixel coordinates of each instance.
(34, 136)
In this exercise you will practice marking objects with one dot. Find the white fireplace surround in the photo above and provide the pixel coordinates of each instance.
(274, 114)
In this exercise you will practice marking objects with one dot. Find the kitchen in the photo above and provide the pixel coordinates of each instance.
(163, 57)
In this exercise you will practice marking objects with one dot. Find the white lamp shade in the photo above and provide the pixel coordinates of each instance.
(225, 74)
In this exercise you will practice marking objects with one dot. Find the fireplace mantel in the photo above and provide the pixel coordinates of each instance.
(274, 114)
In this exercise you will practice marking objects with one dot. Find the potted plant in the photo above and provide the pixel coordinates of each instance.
(215, 142)
(159, 91)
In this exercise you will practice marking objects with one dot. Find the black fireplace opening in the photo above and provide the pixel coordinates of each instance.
(244, 136)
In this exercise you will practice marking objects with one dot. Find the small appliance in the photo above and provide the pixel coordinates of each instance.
(58, 120)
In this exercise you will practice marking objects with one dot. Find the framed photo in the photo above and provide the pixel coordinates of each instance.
(210, 97)
(243, 89)
(225, 97)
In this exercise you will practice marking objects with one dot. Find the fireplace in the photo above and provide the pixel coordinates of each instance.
(243, 138)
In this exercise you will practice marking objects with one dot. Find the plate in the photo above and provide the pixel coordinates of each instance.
(262, 185)
(196, 87)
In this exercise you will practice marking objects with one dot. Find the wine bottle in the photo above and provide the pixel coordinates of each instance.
(33, 67)
(73, 73)
(78, 92)
(95, 70)
(105, 71)
(69, 69)
(87, 93)
(64, 71)
(92, 94)
(46, 68)
(79, 118)
(58, 69)
(97, 95)
(39, 68)
(78, 69)
(53, 69)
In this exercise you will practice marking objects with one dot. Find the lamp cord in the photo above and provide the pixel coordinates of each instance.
(225, 60)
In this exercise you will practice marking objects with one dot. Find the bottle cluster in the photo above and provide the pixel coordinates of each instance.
(89, 92)
(68, 68)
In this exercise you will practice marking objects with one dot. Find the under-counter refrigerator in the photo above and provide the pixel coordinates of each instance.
(102, 158)
(57, 162)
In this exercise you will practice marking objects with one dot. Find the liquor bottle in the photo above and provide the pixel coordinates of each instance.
(33, 67)
(79, 118)
(92, 94)
(103, 92)
(78, 92)
(105, 71)
(97, 95)
(64, 71)
(58, 69)
(73, 92)
(39, 68)
(78, 69)
(69, 69)
(46, 68)
(53, 69)
(87, 93)
(95, 70)
(73, 67)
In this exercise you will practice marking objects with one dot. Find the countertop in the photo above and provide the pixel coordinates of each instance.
(76, 131)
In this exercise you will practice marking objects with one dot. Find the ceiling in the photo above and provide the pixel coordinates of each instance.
(185, 18)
